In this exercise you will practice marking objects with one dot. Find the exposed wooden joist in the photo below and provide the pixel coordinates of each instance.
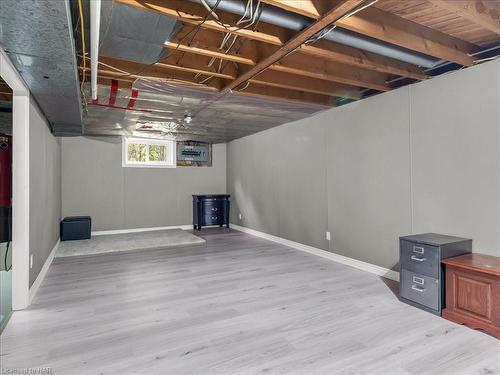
(474, 11)
(157, 70)
(341, 8)
(364, 59)
(256, 89)
(193, 14)
(300, 83)
(192, 64)
(276, 79)
(298, 64)
(322, 69)
(105, 76)
(207, 43)
(390, 28)
(165, 73)
(309, 8)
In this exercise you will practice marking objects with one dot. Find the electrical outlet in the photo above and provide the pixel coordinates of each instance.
(31, 261)
(328, 236)
(240, 216)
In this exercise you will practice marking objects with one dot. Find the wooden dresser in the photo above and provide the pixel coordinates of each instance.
(473, 291)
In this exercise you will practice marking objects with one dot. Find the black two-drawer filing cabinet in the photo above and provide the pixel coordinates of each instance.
(211, 209)
(421, 274)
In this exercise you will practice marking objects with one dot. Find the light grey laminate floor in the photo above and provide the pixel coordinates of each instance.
(239, 305)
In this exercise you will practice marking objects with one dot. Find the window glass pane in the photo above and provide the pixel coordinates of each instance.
(136, 152)
(157, 153)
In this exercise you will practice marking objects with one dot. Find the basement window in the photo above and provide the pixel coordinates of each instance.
(150, 153)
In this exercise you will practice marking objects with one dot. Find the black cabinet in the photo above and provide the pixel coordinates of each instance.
(421, 274)
(210, 209)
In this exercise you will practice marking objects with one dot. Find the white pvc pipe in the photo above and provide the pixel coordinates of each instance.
(95, 22)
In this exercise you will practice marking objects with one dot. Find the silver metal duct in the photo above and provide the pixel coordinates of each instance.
(134, 34)
(38, 37)
(293, 21)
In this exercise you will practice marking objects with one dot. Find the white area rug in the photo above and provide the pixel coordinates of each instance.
(160, 239)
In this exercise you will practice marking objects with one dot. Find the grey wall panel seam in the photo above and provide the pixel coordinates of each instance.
(410, 150)
(326, 179)
(498, 149)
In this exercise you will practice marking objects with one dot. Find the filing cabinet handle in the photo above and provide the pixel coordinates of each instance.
(418, 289)
(418, 280)
(418, 249)
(413, 257)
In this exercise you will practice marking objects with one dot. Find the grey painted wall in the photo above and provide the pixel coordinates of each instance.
(95, 183)
(45, 190)
(421, 158)
(277, 181)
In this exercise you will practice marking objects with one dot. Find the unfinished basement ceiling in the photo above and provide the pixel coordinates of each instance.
(236, 67)
(159, 109)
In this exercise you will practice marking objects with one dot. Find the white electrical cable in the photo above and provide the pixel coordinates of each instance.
(325, 32)
(249, 2)
(207, 7)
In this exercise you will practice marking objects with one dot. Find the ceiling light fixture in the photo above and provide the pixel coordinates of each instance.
(188, 119)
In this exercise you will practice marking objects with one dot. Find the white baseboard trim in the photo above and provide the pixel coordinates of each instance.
(43, 272)
(138, 230)
(368, 267)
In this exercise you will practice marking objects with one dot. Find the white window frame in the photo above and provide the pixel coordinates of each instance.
(171, 153)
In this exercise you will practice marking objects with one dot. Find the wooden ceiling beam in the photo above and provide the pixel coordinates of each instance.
(308, 93)
(363, 59)
(390, 28)
(300, 83)
(157, 70)
(309, 8)
(341, 8)
(295, 64)
(474, 11)
(255, 89)
(192, 63)
(265, 91)
(324, 70)
(207, 43)
(193, 15)
(276, 79)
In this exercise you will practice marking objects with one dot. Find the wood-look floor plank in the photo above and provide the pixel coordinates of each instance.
(239, 305)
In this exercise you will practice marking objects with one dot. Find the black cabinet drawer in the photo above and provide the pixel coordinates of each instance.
(213, 219)
(420, 288)
(420, 258)
(213, 206)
